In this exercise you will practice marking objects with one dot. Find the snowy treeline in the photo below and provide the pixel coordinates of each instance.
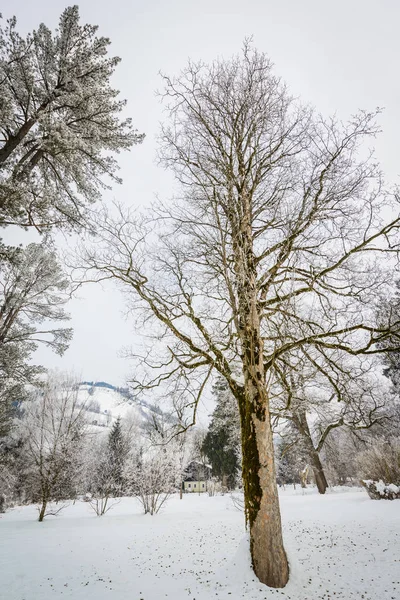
(361, 440)
(53, 453)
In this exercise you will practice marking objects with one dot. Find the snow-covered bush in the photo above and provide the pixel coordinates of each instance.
(377, 490)
(214, 487)
(102, 503)
(153, 475)
(379, 467)
(381, 462)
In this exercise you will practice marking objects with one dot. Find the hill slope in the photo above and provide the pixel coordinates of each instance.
(106, 403)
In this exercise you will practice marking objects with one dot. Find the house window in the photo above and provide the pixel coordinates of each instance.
(189, 485)
(202, 485)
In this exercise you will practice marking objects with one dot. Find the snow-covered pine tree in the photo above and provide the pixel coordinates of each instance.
(117, 451)
(33, 291)
(104, 468)
(60, 123)
(291, 455)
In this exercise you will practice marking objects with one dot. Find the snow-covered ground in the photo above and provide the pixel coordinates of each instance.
(343, 545)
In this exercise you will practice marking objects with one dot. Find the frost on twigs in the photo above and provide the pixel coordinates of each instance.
(61, 123)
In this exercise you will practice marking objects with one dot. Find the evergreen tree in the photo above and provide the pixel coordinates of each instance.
(222, 442)
(33, 291)
(106, 480)
(117, 452)
(59, 123)
(291, 456)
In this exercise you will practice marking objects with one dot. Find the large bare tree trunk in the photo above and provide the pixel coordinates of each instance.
(259, 478)
(260, 492)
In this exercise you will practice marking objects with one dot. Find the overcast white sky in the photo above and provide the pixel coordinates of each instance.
(338, 56)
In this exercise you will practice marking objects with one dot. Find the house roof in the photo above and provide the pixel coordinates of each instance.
(196, 471)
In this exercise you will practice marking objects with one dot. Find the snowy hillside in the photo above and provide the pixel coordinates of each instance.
(106, 404)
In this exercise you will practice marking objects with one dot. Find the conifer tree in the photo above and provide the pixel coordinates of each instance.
(33, 291)
(60, 123)
(116, 455)
(222, 442)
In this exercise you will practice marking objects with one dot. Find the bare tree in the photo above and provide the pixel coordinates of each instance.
(174, 437)
(318, 397)
(153, 474)
(276, 204)
(99, 478)
(53, 427)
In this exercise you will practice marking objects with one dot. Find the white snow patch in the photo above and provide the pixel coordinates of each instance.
(340, 545)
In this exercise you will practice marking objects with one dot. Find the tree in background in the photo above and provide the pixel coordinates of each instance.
(291, 455)
(222, 442)
(319, 398)
(153, 474)
(340, 452)
(53, 429)
(117, 450)
(105, 461)
(390, 309)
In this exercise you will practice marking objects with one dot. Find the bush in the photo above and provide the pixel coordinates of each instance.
(214, 487)
(377, 490)
(381, 462)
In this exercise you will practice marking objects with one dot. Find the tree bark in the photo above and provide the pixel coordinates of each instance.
(42, 510)
(260, 490)
(318, 471)
(259, 478)
(300, 420)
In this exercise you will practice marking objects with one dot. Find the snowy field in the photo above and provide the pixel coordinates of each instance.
(343, 545)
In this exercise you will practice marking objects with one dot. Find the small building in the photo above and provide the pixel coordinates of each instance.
(196, 477)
